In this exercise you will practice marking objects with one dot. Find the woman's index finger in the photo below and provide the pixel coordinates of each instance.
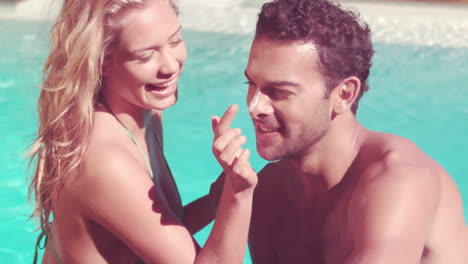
(227, 118)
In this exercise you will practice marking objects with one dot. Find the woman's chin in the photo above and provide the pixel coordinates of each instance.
(161, 105)
(164, 101)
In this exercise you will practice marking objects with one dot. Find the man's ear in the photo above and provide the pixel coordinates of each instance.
(345, 94)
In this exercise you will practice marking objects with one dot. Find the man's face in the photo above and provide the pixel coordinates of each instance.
(292, 112)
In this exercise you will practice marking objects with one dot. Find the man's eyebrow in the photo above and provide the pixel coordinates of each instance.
(156, 46)
(276, 83)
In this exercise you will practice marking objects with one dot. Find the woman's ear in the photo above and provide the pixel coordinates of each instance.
(345, 94)
(104, 69)
(106, 64)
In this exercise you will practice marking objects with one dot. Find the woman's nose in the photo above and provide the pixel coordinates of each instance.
(169, 64)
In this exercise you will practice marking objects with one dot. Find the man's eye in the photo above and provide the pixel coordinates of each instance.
(282, 92)
(176, 43)
(278, 94)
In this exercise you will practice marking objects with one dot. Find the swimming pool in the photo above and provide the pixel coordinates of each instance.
(416, 91)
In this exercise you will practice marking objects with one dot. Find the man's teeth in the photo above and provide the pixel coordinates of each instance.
(266, 129)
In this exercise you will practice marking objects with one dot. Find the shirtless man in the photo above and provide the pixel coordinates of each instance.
(335, 192)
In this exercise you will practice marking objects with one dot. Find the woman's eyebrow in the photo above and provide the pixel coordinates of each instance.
(156, 46)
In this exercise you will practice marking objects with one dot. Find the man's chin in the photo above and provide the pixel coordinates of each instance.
(268, 153)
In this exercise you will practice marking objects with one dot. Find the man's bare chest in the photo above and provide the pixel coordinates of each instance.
(317, 233)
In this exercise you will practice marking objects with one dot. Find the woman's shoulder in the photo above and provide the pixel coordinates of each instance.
(107, 168)
(108, 152)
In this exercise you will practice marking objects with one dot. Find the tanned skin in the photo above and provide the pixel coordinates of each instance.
(336, 192)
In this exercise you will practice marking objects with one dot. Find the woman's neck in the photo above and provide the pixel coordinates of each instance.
(130, 116)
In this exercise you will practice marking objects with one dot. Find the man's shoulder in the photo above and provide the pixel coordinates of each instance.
(389, 151)
(398, 189)
(386, 157)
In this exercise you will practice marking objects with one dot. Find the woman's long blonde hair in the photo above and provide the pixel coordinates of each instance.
(83, 36)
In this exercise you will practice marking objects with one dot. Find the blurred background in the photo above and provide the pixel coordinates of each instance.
(418, 90)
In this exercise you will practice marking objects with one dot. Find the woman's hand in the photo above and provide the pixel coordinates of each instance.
(227, 148)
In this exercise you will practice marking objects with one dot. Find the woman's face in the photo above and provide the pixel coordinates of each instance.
(144, 68)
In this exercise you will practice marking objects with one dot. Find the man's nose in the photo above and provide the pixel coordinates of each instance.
(262, 107)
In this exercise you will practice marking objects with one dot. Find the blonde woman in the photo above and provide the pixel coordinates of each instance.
(103, 190)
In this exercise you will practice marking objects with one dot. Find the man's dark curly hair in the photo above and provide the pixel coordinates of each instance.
(343, 42)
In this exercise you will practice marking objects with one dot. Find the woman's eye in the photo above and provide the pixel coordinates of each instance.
(144, 59)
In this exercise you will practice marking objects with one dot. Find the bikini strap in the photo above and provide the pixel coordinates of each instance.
(38, 246)
(55, 253)
(148, 164)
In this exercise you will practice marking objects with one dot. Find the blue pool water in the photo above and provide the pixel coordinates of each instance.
(417, 92)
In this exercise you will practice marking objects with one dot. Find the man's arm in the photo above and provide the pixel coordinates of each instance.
(392, 214)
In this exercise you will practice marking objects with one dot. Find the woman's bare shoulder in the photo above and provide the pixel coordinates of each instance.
(107, 154)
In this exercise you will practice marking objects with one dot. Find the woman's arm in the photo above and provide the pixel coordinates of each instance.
(228, 239)
(202, 211)
(114, 191)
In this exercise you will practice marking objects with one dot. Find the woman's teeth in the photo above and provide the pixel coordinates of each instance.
(166, 84)
(161, 86)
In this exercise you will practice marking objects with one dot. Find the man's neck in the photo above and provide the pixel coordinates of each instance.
(328, 160)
